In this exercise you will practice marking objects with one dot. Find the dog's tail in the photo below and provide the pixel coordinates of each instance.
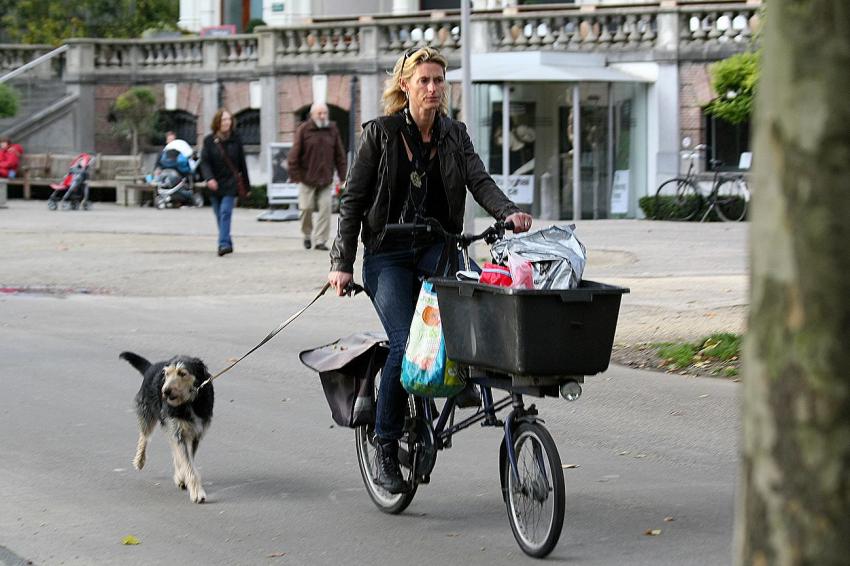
(136, 361)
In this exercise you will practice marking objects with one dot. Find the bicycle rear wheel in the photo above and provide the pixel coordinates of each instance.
(733, 200)
(535, 499)
(367, 455)
(367, 460)
(677, 199)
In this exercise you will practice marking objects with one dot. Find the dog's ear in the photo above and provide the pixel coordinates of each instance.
(199, 369)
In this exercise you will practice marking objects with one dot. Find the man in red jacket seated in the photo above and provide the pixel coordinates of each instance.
(10, 158)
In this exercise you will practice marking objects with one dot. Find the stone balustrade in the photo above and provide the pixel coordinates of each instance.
(684, 29)
(13, 56)
(720, 25)
(576, 30)
(174, 55)
(442, 34)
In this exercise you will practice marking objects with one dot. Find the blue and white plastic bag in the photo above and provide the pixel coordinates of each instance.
(425, 370)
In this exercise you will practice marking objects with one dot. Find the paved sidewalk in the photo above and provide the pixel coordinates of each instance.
(686, 279)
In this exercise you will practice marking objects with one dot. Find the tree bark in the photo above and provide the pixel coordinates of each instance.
(794, 505)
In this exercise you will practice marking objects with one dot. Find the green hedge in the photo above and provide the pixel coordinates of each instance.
(668, 204)
(8, 101)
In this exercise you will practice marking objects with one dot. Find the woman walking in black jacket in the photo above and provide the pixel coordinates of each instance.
(223, 167)
(413, 163)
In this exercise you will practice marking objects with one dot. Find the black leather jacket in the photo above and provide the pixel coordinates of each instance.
(371, 185)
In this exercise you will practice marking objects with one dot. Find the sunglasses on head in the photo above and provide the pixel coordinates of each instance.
(407, 54)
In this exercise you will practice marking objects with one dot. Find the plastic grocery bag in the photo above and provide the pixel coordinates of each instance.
(425, 369)
(557, 256)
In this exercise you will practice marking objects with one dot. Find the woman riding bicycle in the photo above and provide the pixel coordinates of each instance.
(413, 163)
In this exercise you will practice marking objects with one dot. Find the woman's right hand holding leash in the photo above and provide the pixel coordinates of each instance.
(212, 185)
(339, 281)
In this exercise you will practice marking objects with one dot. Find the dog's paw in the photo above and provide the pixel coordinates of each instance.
(199, 495)
(179, 482)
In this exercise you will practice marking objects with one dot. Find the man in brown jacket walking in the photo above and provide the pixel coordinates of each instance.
(316, 152)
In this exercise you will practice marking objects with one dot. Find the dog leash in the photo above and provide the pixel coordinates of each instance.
(352, 288)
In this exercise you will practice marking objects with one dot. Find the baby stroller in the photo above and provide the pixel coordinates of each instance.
(73, 192)
(174, 176)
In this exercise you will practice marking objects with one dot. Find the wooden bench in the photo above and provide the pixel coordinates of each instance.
(42, 169)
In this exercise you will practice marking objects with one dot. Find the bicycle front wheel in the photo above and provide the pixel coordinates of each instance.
(733, 200)
(535, 497)
(677, 199)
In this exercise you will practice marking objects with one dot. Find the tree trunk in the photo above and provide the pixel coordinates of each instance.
(794, 505)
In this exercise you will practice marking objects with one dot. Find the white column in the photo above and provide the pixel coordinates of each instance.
(405, 6)
(576, 152)
(663, 126)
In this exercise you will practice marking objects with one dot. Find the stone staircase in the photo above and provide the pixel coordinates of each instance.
(39, 98)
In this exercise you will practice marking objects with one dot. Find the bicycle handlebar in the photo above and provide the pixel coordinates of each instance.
(490, 234)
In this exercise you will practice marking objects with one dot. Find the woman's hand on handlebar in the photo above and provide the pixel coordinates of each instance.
(520, 220)
(339, 281)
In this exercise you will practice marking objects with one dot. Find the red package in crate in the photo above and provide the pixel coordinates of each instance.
(498, 275)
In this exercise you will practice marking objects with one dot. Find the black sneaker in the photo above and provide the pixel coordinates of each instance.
(387, 472)
(224, 251)
(321, 247)
(468, 397)
(307, 244)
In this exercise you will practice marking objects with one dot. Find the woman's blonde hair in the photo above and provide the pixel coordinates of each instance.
(394, 98)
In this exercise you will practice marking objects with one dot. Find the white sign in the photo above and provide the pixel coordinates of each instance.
(170, 95)
(280, 190)
(620, 192)
(520, 188)
(256, 92)
(320, 89)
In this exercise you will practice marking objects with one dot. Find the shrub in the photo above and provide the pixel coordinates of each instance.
(8, 101)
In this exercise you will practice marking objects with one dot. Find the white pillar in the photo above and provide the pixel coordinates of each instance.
(576, 152)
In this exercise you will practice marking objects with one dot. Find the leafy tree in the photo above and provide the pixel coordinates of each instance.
(53, 21)
(734, 80)
(133, 113)
(8, 101)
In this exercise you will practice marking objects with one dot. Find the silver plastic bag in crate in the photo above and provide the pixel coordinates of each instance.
(557, 256)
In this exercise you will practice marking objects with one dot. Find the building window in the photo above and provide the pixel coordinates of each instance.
(248, 125)
(182, 123)
(725, 142)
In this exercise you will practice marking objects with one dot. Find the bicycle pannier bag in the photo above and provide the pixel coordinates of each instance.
(425, 370)
(347, 370)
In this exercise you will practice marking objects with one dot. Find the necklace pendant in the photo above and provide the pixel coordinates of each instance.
(416, 179)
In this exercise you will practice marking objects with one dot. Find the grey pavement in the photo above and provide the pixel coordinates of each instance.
(282, 482)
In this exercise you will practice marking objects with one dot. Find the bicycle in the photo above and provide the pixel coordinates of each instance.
(680, 198)
(531, 475)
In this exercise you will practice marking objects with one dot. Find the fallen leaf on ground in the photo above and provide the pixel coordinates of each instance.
(704, 396)
(276, 555)
(569, 466)
(669, 519)
(653, 532)
(130, 539)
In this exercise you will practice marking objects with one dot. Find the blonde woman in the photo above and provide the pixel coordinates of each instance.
(413, 163)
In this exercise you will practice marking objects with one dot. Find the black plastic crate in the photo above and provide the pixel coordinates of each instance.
(530, 332)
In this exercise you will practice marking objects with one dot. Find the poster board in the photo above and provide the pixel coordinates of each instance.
(620, 192)
(520, 188)
(280, 189)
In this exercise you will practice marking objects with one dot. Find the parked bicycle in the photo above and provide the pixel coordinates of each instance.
(680, 198)
(546, 345)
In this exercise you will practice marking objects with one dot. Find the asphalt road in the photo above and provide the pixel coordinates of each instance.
(652, 451)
